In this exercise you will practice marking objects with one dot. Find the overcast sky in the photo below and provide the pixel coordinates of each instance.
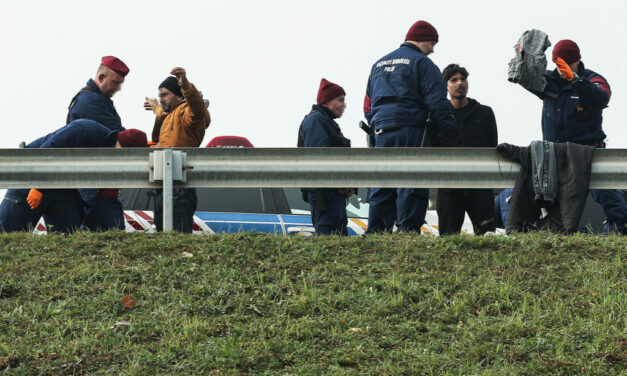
(260, 62)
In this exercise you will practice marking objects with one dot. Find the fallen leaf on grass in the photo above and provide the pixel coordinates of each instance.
(187, 254)
(128, 302)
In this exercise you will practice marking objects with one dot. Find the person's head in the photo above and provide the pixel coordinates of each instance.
(569, 52)
(423, 35)
(331, 96)
(456, 78)
(131, 138)
(110, 75)
(169, 93)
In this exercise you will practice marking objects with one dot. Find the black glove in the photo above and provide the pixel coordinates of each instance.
(506, 150)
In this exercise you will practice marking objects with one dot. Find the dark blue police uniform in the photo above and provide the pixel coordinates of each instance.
(405, 88)
(572, 112)
(62, 209)
(328, 205)
(90, 103)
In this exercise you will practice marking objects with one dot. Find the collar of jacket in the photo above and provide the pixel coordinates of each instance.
(461, 114)
(176, 104)
(325, 111)
(91, 83)
(412, 46)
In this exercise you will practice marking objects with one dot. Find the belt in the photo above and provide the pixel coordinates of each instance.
(387, 129)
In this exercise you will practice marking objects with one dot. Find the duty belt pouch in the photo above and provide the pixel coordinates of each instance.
(318, 199)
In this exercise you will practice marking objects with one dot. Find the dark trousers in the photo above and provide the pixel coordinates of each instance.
(332, 220)
(614, 207)
(184, 207)
(61, 209)
(104, 214)
(453, 204)
(405, 206)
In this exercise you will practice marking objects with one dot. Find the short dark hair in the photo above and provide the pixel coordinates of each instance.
(453, 69)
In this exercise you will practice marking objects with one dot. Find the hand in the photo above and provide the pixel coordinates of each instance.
(150, 104)
(347, 191)
(180, 74)
(564, 69)
(34, 198)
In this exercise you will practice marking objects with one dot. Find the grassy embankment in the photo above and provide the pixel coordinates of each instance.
(258, 304)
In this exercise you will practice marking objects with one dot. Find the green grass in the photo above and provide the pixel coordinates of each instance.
(534, 304)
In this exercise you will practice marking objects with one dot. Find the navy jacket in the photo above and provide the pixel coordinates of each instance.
(320, 130)
(403, 88)
(573, 111)
(91, 104)
(81, 133)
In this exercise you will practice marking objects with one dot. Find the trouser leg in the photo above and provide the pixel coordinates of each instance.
(450, 209)
(16, 214)
(185, 203)
(333, 219)
(382, 210)
(411, 206)
(614, 207)
(157, 197)
(104, 214)
(480, 208)
(63, 210)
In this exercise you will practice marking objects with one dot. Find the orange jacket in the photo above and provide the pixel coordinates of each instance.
(185, 124)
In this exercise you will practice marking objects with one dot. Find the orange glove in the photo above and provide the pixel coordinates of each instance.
(34, 198)
(564, 69)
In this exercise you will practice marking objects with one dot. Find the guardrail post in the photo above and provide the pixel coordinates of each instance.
(168, 165)
(167, 190)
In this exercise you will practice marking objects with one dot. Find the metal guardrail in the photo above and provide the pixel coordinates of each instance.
(277, 167)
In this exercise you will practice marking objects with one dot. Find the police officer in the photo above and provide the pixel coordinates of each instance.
(62, 209)
(405, 96)
(319, 129)
(102, 206)
(573, 102)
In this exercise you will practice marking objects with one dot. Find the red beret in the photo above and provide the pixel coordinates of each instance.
(422, 31)
(132, 138)
(567, 50)
(328, 91)
(115, 64)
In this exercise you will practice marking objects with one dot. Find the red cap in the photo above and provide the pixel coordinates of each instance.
(132, 138)
(229, 142)
(115, 64)
(422, 31)
(567, 50)
(328, 91)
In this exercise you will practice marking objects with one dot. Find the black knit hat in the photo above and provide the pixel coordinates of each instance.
(172, 84)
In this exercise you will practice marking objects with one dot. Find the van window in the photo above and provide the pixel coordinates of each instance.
(239, 200)
(356, 207)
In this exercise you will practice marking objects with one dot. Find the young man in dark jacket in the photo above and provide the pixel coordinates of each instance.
(477, 129)
(62, 209)
(406, 99)
(319, 129)
(573, 102)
